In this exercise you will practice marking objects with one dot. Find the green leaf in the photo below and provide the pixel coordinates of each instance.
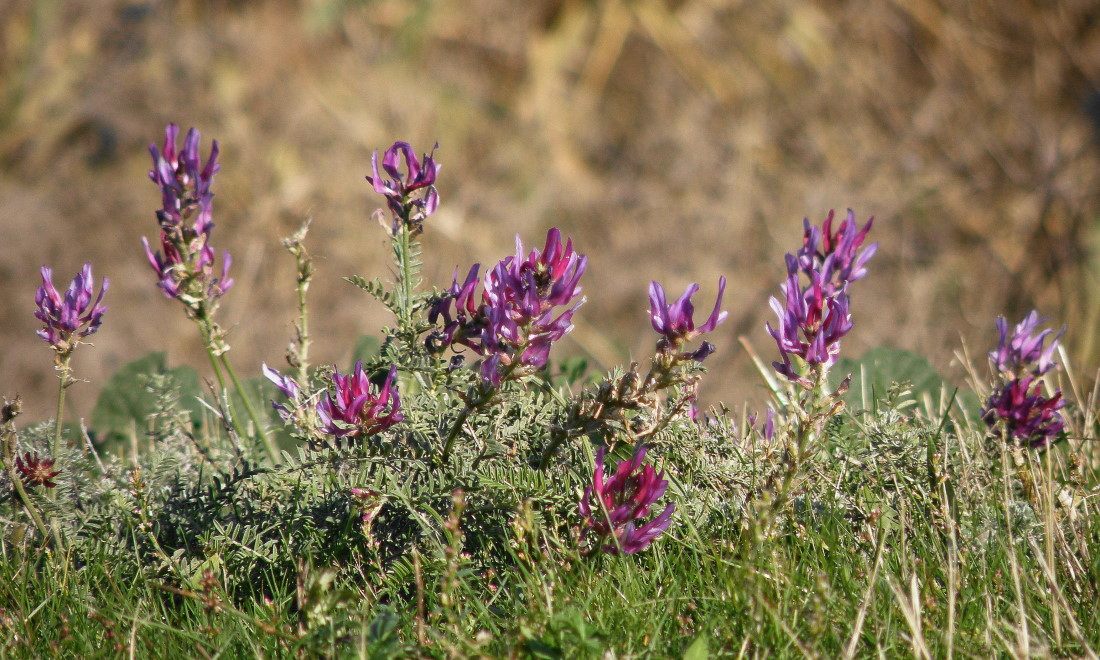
(699, 649)
(367, 347)
(881, 367)
(126, 403)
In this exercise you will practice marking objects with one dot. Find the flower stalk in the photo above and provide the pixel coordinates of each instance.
(67, 321)
(184, 265)
(8, 413)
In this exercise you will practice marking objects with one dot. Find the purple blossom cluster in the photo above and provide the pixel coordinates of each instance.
(353, 407)
(1024, 352)
(814, 317)
(411, 197)
(611, 506)
(675, 322)
(66, 320)
(1019, 406)
(185, 263)
(515, 320)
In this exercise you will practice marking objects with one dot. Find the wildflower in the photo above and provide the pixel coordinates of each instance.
(834, 254)
(398, 189)
(68, 320)
(813, 318)
(676, 324)
(611, 506)
(185, 264)
(288, 387)
(37, 471)
(811, 324)
(1018, 405)
(1024, 351)
(514, 323)
(353, 408)
(1026, 414)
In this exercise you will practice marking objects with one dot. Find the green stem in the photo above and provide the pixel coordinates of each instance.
(66, 370)
(456, 428)
(303, 332)
(8, 461)
(404, 277)
(269, 444)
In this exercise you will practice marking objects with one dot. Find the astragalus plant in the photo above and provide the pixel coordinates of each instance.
(461, 490)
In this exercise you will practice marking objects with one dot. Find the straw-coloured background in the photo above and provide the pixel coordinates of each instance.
(673, 141)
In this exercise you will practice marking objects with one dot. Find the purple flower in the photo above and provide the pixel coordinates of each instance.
(813, 318)
(611, 506)
(183, 180)
(811, 324)
(676, 324)
(356, 408)
(68, 320)
(399, 188)
(1027, 415)
(185, 265)
(835, 255)
(1024, 351)
(288, 387)
(515, 321)
(352, 408)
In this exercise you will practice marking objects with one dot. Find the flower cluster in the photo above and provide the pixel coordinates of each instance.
(813, 318)
(185, 267)
(1024, 352)
(676, 324)
(408, 209)
(36, 471)
(611, 506)
(68, 320)
(1018, 406)
(352, 408)
(513, 323)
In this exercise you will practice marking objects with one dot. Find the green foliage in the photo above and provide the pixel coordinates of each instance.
(133, 396)
(889, 528)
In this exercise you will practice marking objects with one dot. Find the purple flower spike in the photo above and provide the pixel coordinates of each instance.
(676, 323)
(611, 506)
(399, 188)
(810, 325)
(836, 255)
(1026, 414)
(516, 320)
(813, 318)
(1018, 406)
(68, 320)
(185, 262)
(1024, 351)
(355, 408)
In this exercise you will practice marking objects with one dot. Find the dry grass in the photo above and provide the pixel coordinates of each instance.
(675, 141)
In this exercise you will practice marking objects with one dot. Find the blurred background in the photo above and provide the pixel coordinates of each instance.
(675, 141)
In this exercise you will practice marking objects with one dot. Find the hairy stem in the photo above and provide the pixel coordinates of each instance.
(402, 246)
(66, 371)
